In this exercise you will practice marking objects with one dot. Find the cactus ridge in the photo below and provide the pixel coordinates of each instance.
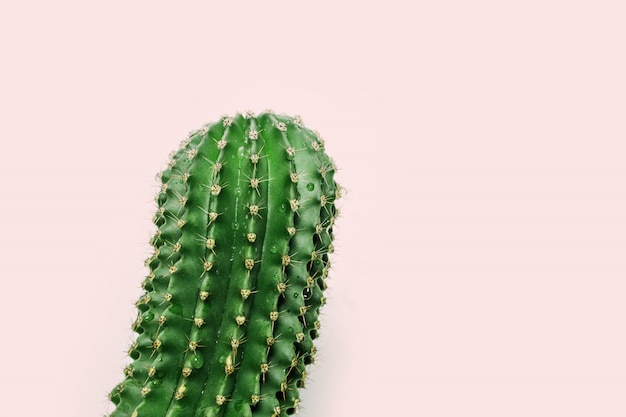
(236, 281)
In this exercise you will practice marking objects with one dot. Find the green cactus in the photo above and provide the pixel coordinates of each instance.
(230, 310)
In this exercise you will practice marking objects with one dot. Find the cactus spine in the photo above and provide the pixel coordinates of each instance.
(230, 310)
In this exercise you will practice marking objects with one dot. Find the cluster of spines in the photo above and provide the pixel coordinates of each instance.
(245, 216)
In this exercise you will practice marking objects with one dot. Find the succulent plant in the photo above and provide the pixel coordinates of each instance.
(227, 321)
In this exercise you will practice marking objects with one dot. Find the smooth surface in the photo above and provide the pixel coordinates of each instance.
(479, 264)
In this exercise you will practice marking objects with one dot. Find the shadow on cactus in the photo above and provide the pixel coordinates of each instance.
(230, 310)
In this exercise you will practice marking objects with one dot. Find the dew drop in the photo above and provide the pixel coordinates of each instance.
(296, 295)
(282, 208)
(307, 293)
(147, 316)
(197, 361)
(310, 186)
(273, 249)
(235, 226)
(238, 191)
(240, 151)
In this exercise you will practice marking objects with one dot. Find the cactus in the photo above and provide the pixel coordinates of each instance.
(226, 324)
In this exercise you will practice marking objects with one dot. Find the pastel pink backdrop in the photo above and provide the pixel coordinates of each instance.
(479, 268)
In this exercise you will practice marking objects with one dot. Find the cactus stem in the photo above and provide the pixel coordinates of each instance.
(240, 260)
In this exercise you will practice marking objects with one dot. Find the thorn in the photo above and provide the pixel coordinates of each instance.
(185, 142)
(155, 346)
(128, 371)
(191, 153)
(253, 134)
(206, 265)
(249, 263)
(180, 392)
(245, 293)
(227, 121)
(229, 368)
(235, 343)
(215, 165)
(283, 389)
(215, 189)
(254, 183)
(264, 370)
(194, 345)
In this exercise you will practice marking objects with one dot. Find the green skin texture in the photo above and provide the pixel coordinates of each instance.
(230, 310)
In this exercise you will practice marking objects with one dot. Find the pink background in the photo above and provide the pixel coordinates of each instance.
(480, 266)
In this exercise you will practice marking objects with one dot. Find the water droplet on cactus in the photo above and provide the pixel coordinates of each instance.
(282, 208)
(147, 316)
(310, 186)
(235, 226)
(238, 191)
(296, 295)
(307, 293)
(273, 249)
(241, 151)
(197, 361)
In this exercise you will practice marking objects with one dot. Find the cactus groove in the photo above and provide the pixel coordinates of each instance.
(226, 324)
